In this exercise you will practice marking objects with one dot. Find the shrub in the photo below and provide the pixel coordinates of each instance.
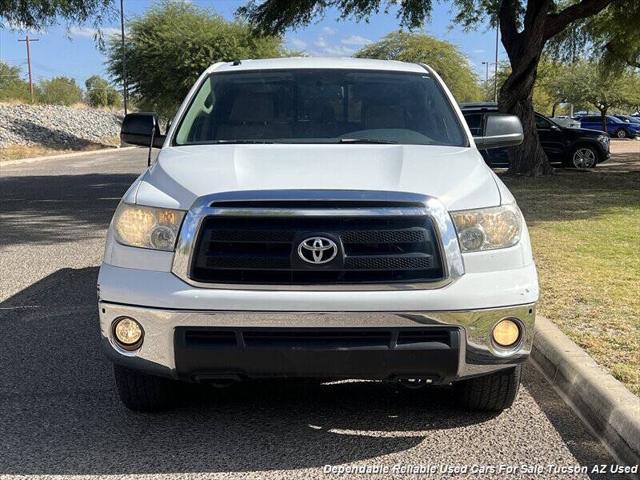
(59, 91)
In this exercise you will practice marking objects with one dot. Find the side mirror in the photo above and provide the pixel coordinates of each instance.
(141, 129)
(500, 130)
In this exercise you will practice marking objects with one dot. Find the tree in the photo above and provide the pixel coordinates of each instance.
(12, 87)
(589, 82)
(444, 57)
(172, 44)
(525, 25)
(36, 14)
(100, 93)
(612, 38)
(549, 90)
(59, 91)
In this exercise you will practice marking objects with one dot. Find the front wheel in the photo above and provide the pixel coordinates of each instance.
(144, 393)
(621, 133)
(490, 393)
(584, 157)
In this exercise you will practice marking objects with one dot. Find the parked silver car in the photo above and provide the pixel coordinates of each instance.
(566, 122)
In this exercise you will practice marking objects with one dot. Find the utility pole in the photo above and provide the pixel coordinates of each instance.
(486, 75)
(495, 72)
(124, 59)
(28, 41)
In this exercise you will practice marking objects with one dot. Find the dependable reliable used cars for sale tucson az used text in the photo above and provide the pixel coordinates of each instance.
(318, 218)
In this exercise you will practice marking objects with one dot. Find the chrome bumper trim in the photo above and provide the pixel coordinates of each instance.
(477, 353)
(214, 204)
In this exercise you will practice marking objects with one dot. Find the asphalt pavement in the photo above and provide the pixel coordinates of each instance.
(59, 413)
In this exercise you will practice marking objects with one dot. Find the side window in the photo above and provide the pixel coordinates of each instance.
(196, 122)
(542, 123)
(474, 121)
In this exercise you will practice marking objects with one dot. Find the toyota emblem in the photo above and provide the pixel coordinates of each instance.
(317, 250)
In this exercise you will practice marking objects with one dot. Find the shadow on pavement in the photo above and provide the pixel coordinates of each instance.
(33, 208)
(60, 414)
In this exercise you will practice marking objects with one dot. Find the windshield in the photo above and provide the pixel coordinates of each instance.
(320, 106)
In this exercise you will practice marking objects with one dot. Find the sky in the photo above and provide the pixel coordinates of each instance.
(71, 50)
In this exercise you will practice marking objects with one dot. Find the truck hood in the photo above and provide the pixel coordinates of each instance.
(457, 176)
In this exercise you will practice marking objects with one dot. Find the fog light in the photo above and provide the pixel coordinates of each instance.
(128, 332)
(506, 333)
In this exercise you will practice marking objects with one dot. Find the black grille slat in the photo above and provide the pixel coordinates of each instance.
(385, 236)
(251, 236)
(249, 262)
(310, 337)
(396, 262)
(263, 250)
(424, 336)
(210, 337)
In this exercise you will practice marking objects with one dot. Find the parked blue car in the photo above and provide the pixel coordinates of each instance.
(615, 126)
(628, 118)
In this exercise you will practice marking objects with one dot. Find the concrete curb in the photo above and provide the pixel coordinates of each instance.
(604, 403)
(63, 155)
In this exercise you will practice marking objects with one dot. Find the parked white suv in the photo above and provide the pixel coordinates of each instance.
(323, 218)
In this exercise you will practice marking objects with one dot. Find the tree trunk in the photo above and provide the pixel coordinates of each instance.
(603, 119)
(528, 158)
(516, 95)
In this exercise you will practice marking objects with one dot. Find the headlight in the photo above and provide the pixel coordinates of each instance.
(603, 139)
(488, 228)
(147, 227)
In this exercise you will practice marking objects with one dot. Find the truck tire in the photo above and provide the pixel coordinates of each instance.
(144, 393)
(490, 393)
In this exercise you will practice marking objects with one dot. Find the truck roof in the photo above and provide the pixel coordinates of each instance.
(316, 62)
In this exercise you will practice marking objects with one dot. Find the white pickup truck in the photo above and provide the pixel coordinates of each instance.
(318, 218)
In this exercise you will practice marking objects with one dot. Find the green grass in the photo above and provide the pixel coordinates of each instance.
(585, 230)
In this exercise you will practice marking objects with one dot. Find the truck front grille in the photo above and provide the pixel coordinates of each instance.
(263, 250)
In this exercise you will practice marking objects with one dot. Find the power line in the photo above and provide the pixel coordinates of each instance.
(28, 41)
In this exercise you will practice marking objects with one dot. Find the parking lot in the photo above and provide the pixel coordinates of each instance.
(61, 416)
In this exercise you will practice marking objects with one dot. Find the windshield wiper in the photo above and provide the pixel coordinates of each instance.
(365, 140)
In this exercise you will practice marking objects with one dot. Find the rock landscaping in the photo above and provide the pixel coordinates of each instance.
(57, 127)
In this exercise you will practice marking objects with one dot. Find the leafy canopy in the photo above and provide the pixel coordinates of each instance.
(12, 87)
(588, 82)
(172, 44)
(36, 14)
(612, 37)
(59, 91)
(444, 57)
(100, 93)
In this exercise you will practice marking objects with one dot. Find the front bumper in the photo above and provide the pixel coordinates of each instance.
(167, 351)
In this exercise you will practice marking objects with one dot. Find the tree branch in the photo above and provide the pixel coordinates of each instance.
(556, 22)
(508, 14)
(629, 60)
(533, 12)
